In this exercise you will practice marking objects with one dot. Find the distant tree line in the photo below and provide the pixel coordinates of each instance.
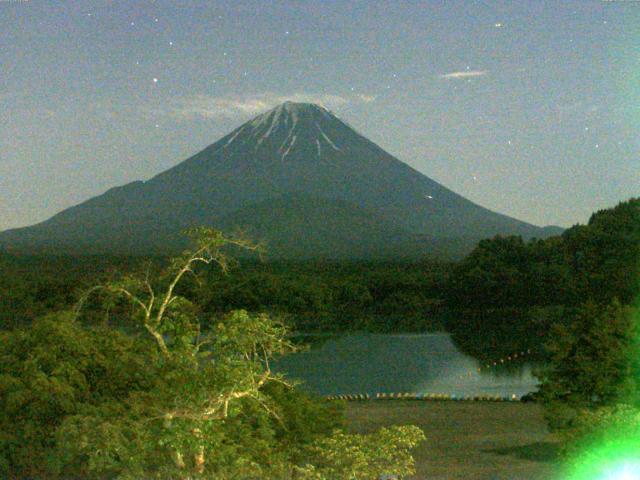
(310, 296)
(382, 297)
(596, 261)
(504, 296)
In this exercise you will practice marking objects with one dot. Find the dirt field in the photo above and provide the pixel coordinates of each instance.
(468, 440)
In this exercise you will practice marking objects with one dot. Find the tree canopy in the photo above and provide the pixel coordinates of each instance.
(172, 399)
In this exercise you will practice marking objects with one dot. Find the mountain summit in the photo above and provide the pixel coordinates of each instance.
(295, 176)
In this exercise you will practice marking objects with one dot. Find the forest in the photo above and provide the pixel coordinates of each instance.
(106, 372)
(510, 289)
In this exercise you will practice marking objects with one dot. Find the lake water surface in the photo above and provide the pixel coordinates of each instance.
(419, 363)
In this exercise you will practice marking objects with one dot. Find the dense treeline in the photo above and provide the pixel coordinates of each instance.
(503, 297)
(310, 296)
(597, 261)
(514, 292)
(31, 286)
(337, 297)
(575, 299)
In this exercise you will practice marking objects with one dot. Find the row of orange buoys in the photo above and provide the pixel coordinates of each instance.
(425, 396)
(502, 361)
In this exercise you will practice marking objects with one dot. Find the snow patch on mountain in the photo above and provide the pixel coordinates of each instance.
(324, 135)
(273, 127)
(286, 152)
(235, 135)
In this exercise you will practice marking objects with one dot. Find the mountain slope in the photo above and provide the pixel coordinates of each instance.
(293, 148)
(298, 226)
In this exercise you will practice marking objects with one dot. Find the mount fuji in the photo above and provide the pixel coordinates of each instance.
(296, 177)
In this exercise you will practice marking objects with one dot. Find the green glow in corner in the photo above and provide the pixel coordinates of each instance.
(618, 466)
(627, 471)
(613, 455)
(612, 452)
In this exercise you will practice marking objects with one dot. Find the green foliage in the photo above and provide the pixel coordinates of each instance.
(301, 417)
(172, 400)
(55, 370)
(595, 427)
(32, 286)
(364, 457)
(83, 413)
(599, 261)
(605, 254)
(488, 334)
(593, 363)
(506, 271)
(571, 294)
(510, 288)
(313, 296)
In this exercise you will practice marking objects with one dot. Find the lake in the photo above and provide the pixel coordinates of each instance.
(398, 363)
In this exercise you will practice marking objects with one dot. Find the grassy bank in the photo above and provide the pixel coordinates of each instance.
(468, 440)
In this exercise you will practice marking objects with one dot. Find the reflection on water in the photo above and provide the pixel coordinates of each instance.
(420, 363)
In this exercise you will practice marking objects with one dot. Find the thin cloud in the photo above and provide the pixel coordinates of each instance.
(208, 107)
(465, 74)
(578, 106)
(366, 98)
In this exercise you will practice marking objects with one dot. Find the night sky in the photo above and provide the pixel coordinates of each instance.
(529, 108)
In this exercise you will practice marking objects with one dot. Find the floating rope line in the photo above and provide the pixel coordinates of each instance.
(425, 397)
(501, 361)
(444, 396)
